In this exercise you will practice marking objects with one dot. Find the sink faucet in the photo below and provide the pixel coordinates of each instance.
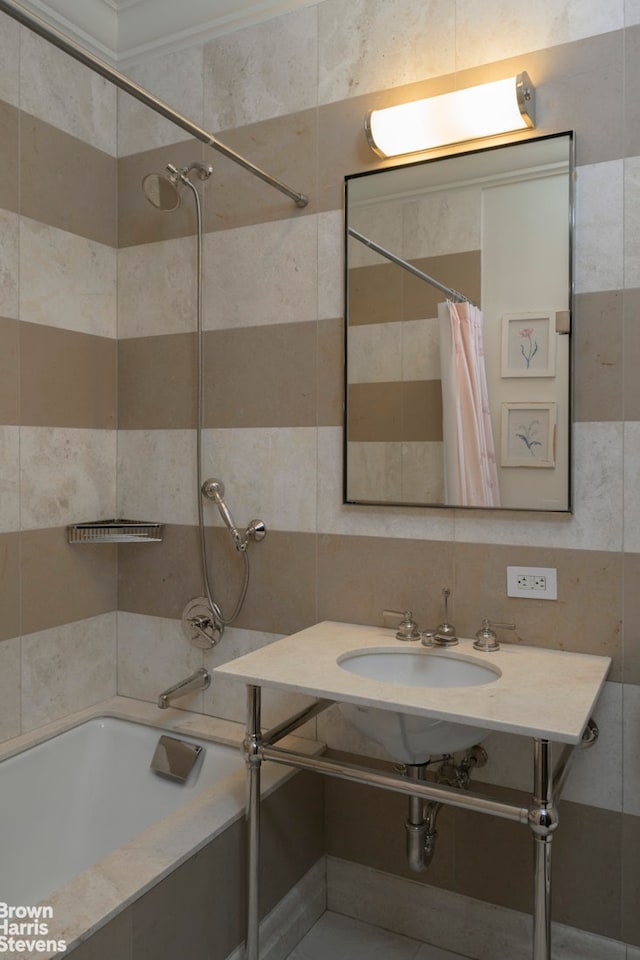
(199, 680)
(445, 634)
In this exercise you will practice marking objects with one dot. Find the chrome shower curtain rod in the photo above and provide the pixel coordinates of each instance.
(60, 40)
(450, 292)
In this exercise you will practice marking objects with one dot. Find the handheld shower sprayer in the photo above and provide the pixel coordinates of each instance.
(213, 489)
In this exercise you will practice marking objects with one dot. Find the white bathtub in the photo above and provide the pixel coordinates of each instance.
(86, 827)
(70, 801)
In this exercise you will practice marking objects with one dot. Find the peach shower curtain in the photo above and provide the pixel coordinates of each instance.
(471, 474)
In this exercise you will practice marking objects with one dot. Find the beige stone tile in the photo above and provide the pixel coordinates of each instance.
(285, 461)
(359, 577)
(264, 398)
(62, 582)
(67, 475)
(10, 57)
(9, 264)
(330, 264)
(61, 91)
(371, 46)
(153, 654)
(330, 372)
(9, 197)
(423, 472)
(10, 689)
(284, 147)
(9, 478)
(248, 76)
(66, 280)
(67, 668)
(631, 12)
(336, 517)
(157, 287)
(631, 354)
(160, 581)
(597, 349)
(630, 840)
(176, 79)
(630, 763)
(631, 221)
(75, 190)
(374, 294)
(599, 227)
(283, 290)
(585, 618)
(631, 479)
(148, 492)
(499, 29)
(9, 372)
(157, 382)
(391, 411)
(596, 522)
(374, 471)
(281, 595)
(10, 595)
(67, 379)
(632, 79)
(374, 352)
(631, 607)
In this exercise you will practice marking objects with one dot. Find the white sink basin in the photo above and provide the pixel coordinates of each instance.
(417, 668)
(407, 738)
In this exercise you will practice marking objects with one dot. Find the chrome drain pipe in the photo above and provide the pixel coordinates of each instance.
(421, 823)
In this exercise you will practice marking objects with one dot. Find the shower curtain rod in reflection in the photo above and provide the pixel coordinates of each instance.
(453, 294)
(60, 40)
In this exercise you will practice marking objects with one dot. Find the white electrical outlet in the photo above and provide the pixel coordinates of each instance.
(535, 583)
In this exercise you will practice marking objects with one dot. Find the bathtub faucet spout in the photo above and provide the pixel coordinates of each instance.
(199, 680)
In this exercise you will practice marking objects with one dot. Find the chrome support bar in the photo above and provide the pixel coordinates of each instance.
(252, 749)
(397, 784)
(64, 43)
(541, 814)
(543, 820)
(292, 723)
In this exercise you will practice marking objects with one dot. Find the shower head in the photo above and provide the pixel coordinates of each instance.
(163, 191)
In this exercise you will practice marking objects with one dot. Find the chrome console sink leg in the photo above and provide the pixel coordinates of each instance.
(543, 820)
(252, 746)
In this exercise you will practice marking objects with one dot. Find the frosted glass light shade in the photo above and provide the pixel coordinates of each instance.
(470, 114)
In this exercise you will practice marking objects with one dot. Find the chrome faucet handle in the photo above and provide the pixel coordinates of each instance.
(486, 637)
(407, 628)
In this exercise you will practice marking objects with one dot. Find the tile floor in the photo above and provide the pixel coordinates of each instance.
(336, 937)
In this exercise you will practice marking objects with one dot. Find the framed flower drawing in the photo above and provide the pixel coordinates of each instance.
(529, 344)
(528, 435)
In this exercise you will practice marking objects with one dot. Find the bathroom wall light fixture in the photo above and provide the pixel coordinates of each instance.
(470, 114)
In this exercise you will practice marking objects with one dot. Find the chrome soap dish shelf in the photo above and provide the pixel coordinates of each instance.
(114, 531)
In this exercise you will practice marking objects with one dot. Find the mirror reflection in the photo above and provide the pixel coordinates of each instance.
(458, 330)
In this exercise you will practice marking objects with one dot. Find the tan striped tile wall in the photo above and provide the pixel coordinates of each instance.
(273, 307)
(57, 383)
(274, 296)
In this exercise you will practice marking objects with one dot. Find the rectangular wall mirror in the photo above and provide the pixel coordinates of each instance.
(458, 307)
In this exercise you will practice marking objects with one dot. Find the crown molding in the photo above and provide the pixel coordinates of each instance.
(128, 32)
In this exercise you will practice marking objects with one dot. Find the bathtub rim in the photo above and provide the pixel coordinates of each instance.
(98, 894)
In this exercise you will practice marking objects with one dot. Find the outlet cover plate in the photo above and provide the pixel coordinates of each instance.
(532, 583)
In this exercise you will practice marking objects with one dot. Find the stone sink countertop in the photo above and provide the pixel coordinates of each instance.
(539, 693)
